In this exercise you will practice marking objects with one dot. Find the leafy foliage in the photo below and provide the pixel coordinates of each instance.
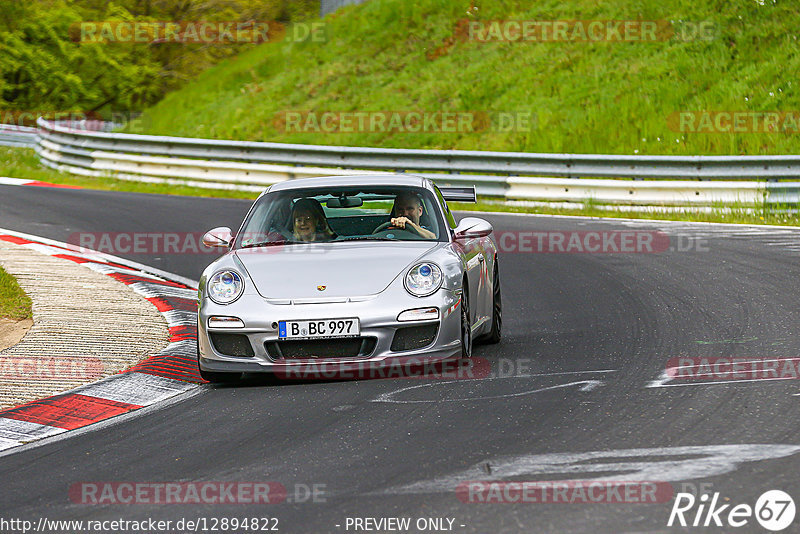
(43, 68)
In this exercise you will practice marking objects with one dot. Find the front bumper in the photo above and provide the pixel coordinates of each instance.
(377, 316)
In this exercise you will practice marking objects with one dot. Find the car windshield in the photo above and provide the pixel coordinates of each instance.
(339, 214)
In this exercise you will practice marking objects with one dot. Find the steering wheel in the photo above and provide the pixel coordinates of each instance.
(382, 227)
(385, 226)
(398, 234)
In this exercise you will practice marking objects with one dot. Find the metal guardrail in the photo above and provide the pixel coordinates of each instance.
(673, 180)
(17, 135)
(329, 6)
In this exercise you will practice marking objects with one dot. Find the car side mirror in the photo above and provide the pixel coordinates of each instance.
(220, 237)
(472, 227)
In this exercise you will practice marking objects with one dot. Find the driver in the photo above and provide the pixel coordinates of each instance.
(407, 212)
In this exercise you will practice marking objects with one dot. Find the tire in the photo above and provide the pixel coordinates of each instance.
(497, 308)
(220, 378)
(466, 326)
(216, 378)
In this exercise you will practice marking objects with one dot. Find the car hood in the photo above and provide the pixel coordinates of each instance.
(344, 269)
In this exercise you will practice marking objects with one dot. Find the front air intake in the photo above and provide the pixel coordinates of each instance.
(235, 345)
(414, 337)
(355, 347)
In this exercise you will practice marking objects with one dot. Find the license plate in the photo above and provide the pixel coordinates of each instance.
(320, 328)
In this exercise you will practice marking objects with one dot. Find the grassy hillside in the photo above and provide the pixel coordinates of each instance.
(607, 97)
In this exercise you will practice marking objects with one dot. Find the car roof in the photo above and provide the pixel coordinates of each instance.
(406, 180)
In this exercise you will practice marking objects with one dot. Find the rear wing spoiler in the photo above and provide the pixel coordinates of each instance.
(459, 194)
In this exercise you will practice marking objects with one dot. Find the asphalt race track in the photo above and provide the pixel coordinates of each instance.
(587, 339)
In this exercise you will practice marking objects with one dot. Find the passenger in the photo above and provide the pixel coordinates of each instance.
(309, 222)
(406, 215)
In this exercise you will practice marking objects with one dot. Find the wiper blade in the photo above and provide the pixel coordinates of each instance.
(268, 244)
(366, 238)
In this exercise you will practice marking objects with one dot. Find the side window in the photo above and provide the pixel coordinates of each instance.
(445, 208)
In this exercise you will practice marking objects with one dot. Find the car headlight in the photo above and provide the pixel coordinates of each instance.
(424, 279)
(225, 287)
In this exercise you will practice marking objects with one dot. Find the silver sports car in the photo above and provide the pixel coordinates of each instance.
(348, 271)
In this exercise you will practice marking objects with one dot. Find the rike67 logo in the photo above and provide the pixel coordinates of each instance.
(774, 510)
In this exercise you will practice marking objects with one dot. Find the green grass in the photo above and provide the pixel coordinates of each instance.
(14, 303)
(604, 97)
